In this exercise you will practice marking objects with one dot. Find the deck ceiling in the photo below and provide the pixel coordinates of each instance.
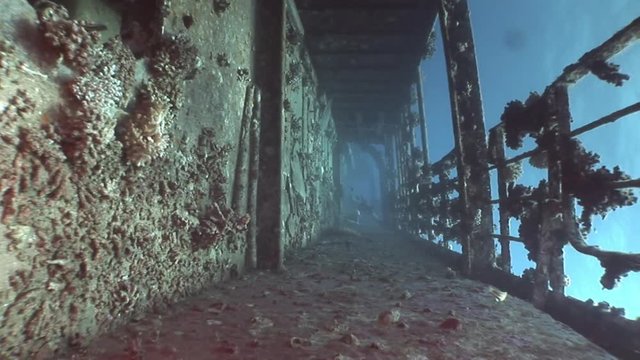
(365, 53)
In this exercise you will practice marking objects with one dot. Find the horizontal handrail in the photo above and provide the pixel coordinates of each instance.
(508, 237)
(607, 119)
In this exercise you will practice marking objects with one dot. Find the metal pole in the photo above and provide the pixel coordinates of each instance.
(469, 132)
(550, 259)
(391, 189)
(423, 118)
(426, 168)
(252, 184)
(505, 243)
(237, 195)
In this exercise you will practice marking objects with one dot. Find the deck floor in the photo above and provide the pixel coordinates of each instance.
(356, 298)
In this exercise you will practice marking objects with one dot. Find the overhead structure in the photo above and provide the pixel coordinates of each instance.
(365, 53)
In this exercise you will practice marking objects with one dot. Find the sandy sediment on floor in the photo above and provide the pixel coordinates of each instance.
(349, 297)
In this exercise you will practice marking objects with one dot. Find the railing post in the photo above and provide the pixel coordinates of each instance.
(400, 171)
(412, 168)
(390, 186)
(500, 158)
(469, 132)
(443, 206)
(563, 117)
(550, 259)
(423, 117)
(404, 170)
(426, 167)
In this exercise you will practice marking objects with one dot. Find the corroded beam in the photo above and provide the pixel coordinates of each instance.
(372, 85)
(363, 61)
(549, 258)
(252, 183)
(607, 119)
(389, 90)
(270, 47)
(402, 180)
(338, 5)
(497, 135)
(351, 107)
(383, 43)
(448, 161)
(444, 201)
(370, 98)
(238, 200)
(391, 188)
(612, 46)
(350, 75)
(294, 16)
(426, 168)
(614, 116)
(423, 117)
(469, 132)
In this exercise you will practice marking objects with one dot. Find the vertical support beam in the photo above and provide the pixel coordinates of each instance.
(399, 206)
(337, 181)
(399, 155)
(411, 171)
(550, 260)
(391, 178)
(407, 144)
(393, 169)
(426, 167)
(394, 162)
(269, 69)
(500, 158)
(563, 118)
(404, 164)
(469, 132)
(397, 149)
(423, 117)
(444, 203)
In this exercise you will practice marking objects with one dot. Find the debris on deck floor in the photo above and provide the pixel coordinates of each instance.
(349, 297)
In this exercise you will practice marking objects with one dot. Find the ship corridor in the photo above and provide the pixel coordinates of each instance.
(174, 186)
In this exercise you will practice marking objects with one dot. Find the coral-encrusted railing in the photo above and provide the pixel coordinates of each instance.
(547, 212)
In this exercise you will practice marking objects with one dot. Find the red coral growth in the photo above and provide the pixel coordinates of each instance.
(217, 223)
(8, 205)
(241, 223)
(19, 106)
(72, 131)
(174, 59)
(69, 37)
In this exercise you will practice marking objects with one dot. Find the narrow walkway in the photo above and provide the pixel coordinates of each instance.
(349, 297)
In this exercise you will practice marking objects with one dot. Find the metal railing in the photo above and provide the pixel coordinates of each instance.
(426, 205)
(546, 212)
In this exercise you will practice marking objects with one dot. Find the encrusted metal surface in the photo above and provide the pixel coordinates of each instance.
(365, 54)
(469, 133)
